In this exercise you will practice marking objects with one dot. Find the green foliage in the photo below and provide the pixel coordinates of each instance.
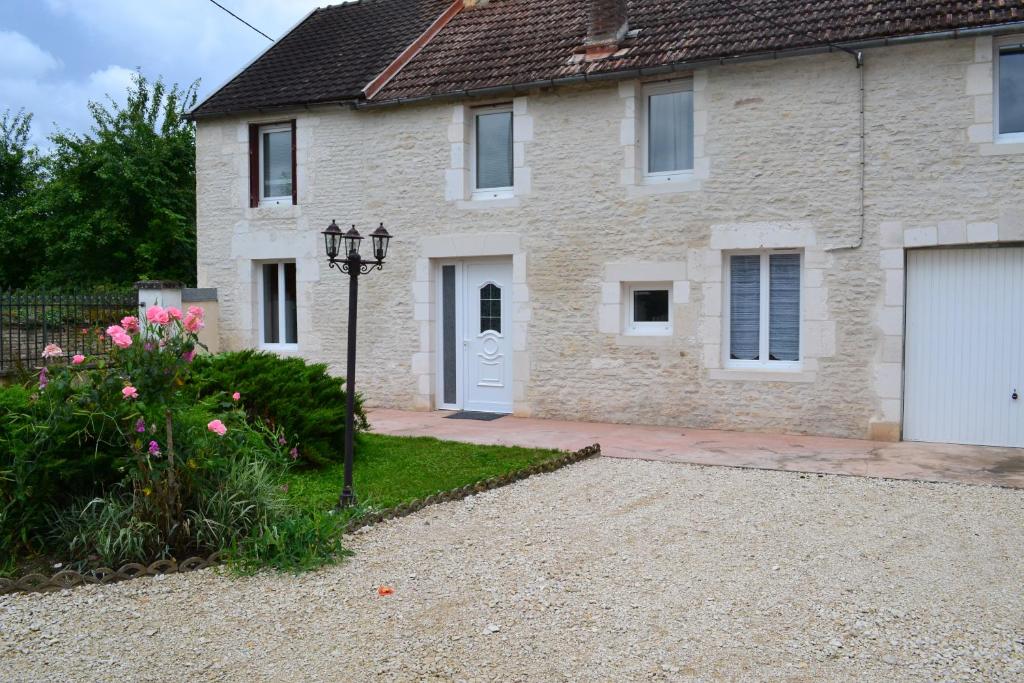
(293, 543)
(21, 177)
(299, 398)
(399, 469)
(107, 207)
(121, 463)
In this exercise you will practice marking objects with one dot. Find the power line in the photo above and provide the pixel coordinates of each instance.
(242, 20)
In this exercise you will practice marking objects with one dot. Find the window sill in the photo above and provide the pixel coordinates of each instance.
(1004, 146)
(280, 348)
(657, 186)
(759, 375)
(488, 204)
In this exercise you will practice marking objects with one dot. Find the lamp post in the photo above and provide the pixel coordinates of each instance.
(355, 265)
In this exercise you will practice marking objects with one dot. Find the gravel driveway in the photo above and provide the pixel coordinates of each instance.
(605, 570)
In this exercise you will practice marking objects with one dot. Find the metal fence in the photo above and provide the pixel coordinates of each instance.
(75, 322)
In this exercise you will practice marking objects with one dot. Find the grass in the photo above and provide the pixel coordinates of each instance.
(390, 470)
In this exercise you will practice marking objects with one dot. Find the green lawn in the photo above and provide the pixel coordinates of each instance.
(398, 469)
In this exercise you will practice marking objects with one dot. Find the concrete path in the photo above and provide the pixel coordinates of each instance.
(906, 460)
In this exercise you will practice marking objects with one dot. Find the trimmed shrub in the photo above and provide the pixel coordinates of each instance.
(298, 398)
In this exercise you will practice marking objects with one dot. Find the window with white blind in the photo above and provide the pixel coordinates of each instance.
(278, 310)
(1009, 89)
(667, 130)
(762, 309)
(275, 164)
(492, 152)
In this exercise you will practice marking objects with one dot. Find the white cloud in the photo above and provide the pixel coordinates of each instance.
(180, 40)
(61, 104)
(23, 58)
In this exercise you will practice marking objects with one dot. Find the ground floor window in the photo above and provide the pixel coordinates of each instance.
(648, 309)
(763, 308)
(277, 305)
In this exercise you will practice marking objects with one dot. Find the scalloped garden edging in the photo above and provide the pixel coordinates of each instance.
(40, 583)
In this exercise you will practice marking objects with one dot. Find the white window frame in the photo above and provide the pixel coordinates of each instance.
(261, 131)
(763, 363)
(1006, 41)
(489, 192)
(281, 318)
(646, 329)
(660, 88)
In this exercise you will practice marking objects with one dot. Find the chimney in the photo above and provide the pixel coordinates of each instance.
(606, 25)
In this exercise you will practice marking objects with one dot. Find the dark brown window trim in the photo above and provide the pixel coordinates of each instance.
(254, 161)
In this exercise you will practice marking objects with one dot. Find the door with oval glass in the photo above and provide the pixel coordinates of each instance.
(475, 368)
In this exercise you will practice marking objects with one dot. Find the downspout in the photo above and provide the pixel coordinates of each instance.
(863, 160)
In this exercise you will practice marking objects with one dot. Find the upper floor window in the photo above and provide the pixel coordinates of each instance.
(1010, 88)
(492, 152)
(272, 164)
(763, 309)
(667, 130)
(278, 307)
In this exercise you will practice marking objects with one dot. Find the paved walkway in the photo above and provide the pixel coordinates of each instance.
(906, 460)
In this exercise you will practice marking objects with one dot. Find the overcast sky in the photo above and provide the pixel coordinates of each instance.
(56, 55)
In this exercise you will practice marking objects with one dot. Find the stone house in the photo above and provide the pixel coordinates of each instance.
(777, 215)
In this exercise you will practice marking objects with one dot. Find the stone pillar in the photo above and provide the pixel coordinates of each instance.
(162, 293)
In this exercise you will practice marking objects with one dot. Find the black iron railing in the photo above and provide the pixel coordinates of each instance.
(74, 322)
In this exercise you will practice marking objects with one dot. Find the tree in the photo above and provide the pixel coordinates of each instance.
(118, 204)
(20, 180)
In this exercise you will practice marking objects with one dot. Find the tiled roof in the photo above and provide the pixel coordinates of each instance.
(511, 42)
(328, 57)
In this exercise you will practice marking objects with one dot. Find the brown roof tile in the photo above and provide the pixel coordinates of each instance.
(514, 42)
(329, 57)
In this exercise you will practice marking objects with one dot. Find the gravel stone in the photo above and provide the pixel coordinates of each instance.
(605, 570)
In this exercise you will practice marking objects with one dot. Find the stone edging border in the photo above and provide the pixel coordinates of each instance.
(40, 583)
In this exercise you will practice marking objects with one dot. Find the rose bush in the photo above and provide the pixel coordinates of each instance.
(120, 462)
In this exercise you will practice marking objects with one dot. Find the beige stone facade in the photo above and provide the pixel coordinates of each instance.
(777, 165)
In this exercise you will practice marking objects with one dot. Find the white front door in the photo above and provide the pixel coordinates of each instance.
(475, 359)
(965, 346)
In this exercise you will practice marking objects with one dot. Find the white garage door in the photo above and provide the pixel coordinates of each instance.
(965, 346)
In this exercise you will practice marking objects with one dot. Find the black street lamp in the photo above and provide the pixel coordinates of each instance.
(353, 264)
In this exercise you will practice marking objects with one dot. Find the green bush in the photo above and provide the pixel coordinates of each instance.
(299, 398)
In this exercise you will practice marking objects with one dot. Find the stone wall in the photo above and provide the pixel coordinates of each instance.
(778, 165)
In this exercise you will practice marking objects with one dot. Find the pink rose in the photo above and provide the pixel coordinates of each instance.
(52, 351)
(156, 314)
(235, 396)
(173, 313)
(77, 359)
(194, 320)
(130, 324)
(115, 330)
(217, 427)
(122, 340)
(188, 356)
(130, 392)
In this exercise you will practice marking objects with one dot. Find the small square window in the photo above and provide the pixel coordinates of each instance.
(1010, 89)
(278, 305)
(492, 152)
(649, 309)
